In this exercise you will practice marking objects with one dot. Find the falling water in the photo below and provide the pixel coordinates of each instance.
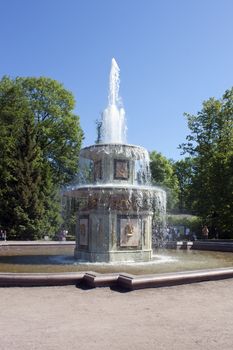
(113, 126)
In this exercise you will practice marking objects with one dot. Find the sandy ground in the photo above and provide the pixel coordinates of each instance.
(197, 316)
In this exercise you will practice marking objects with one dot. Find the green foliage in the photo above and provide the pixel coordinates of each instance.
(184, 172)
(162, 173)
(70, 214)
(39, 149)
(210, 143)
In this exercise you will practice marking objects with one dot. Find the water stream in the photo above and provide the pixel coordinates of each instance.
(113, 126)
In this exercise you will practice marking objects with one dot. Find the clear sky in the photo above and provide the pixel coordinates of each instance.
(173, 54)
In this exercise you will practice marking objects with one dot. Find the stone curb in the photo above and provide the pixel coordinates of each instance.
(173, 279)
(39, 279)
(221, 246)
(117, 280)
(36, 243)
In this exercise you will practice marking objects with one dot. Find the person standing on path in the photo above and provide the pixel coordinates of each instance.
(205, 232)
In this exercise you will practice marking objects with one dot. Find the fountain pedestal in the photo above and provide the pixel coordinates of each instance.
(115, 204)
(110, 228)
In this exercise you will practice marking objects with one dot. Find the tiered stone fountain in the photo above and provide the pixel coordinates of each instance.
(114, 222)
(115, 199)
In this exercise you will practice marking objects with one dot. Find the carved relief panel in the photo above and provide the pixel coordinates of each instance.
(121, 169)
(129, 232)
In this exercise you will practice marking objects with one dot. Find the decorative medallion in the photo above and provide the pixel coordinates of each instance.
(92, 202)
(129, 233)
(129, 230)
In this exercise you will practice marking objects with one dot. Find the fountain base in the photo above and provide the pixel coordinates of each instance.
(115, 209)
(114, 223)
(114, 256)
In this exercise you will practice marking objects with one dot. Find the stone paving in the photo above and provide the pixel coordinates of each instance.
(188, 317)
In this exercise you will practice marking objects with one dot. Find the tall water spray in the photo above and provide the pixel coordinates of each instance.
(113, 126)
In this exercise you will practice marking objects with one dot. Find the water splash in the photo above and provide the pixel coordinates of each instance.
(113, 126)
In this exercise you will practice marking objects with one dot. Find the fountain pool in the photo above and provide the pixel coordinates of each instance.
(59, 258)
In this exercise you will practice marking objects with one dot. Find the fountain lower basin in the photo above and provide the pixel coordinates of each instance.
(58, 257)
(54, 264)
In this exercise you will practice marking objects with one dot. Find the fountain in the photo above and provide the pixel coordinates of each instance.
(116, 204)
(116, 201)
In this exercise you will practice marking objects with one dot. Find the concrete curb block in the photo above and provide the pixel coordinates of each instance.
(117, 280)
(36, 243)
(173, 279)
(93, 279)
(39, 279)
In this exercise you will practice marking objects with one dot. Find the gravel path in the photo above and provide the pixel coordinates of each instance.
(195, 316)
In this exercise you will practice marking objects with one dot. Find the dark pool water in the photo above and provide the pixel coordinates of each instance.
(60, 259)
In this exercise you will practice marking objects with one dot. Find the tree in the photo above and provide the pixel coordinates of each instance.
(163, 175)
(210, 143)
(183, 169)
(39, 149)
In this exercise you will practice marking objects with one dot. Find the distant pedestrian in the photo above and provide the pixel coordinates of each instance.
(3, 235)
(194, 238)
(205, 232)
(187, 233)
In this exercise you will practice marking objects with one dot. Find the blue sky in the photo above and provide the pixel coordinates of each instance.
(173, 54)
